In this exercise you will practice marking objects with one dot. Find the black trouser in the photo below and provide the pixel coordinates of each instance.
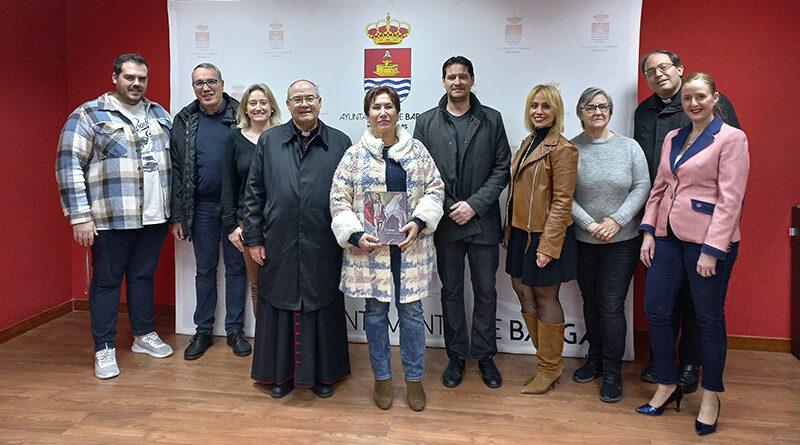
(604, 275)
(483, 261)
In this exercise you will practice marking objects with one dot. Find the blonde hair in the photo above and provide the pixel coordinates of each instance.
(241, 112)
(553, 98)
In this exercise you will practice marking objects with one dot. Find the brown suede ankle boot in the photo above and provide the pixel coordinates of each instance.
(382, 393)
(551, 362)
(533, 331)
(416, 395)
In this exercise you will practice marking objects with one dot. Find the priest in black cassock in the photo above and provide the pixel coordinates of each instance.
(301, 333)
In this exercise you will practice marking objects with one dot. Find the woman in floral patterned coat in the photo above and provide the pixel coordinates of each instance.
(387, 159)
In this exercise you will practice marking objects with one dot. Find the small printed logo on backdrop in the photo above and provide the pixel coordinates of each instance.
(513, 36)
(276, 35)
(238, 91)
(388, 65)
(202, 37)
(514, 30)
(600, 35)
(600, 28)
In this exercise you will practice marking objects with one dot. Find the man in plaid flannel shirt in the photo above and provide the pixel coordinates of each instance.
(113, 171)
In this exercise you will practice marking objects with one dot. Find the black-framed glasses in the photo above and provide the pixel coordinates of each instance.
(297, 100)
(663, 67)
(592, 108)
(210, 82)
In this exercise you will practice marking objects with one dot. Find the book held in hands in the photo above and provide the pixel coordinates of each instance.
(385, 213)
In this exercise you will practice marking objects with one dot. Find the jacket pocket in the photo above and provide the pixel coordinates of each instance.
(703, 207)
(110, 139)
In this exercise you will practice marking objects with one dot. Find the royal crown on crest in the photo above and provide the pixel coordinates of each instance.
(201, 27)
(388, 32)
(601, 17)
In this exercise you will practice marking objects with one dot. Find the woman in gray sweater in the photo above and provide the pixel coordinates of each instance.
(611, 188)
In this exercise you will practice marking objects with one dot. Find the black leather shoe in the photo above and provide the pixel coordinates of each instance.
(197, 346)
(323, 390)
(452, 375)
(280, 390)
(649, 372)
(239, 344)
(590, 370)
(491, 375)
(688, 378)
(611, 391)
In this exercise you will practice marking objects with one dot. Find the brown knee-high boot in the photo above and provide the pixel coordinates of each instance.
(533, 331)
(551, 362)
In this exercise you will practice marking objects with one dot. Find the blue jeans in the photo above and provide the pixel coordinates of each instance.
(132, 254)
(483, 260)
(206, 235)
(412, 338)
(674, 262)
(604, 274)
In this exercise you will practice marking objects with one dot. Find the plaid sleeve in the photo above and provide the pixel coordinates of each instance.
(74, 154)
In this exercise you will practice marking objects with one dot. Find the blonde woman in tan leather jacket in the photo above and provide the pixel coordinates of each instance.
(538, 232)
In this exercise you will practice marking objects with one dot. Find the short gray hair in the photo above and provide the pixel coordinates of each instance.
(209, 66)
(289, 90)
(587, 96)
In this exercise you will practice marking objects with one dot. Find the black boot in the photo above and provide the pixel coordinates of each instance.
(688, 377)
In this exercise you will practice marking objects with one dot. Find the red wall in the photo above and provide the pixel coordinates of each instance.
(750, 48)
(98, 32)
(746, 45)
(35, 256)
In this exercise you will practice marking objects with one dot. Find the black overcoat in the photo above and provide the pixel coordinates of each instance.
(482, 173)
(287, 210)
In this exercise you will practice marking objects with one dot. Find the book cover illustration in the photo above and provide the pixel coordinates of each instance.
(384, 215)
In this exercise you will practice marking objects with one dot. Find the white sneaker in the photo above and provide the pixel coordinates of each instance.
(152, 345)
(105, 363)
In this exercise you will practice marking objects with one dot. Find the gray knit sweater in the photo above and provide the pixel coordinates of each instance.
(612, 181)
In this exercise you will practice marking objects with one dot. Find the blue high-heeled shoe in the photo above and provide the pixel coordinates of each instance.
(650, 410)
(702, 428)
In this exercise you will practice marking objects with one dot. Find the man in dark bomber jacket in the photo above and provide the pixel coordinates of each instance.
(197, 149)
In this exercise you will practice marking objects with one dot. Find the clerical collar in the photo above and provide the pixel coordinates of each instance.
(305, 134)
(669, 100)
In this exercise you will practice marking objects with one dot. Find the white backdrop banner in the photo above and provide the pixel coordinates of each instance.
(345, 46)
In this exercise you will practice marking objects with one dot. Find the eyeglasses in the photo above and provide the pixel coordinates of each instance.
(210, 82)
(663, 67)
(590, 109)
(297, 100)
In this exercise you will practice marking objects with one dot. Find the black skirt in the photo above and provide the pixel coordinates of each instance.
(521, 264)
(300, 345)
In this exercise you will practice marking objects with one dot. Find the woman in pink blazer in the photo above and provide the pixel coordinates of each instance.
(691, 232)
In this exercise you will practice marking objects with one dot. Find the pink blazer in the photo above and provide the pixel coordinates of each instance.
(702, 194)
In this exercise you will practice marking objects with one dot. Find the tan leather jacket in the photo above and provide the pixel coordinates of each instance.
(541, 191)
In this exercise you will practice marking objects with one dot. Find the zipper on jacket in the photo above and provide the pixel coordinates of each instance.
(533, 187)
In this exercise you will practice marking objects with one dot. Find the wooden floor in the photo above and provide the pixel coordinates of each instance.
(48, 394)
